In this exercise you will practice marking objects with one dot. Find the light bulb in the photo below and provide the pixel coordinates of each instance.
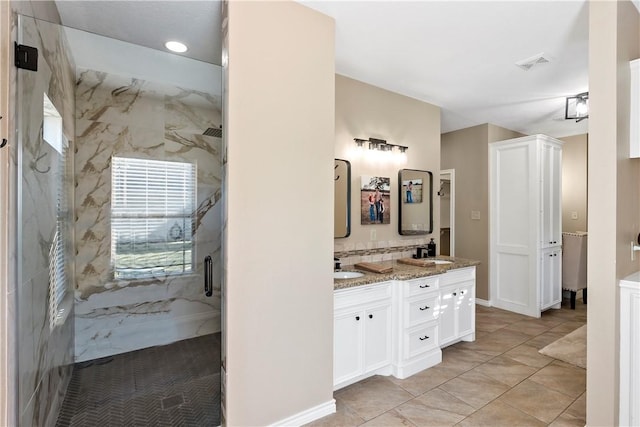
(581, 107)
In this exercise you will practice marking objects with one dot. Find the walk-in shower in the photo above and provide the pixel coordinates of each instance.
(119, 183)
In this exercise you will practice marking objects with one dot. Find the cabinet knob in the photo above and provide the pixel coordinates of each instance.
(426, 307)
(371, 316)
(554, 242)
(424, 286)
(550, 242)
(424, 338)
(455, 293)
(357, 317)
(550, 254)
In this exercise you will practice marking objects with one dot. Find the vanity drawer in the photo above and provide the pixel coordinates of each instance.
(457, 276)
(361, 294)
(420, 286)
(420, 340)
(419, 310)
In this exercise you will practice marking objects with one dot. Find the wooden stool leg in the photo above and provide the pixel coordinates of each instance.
(573, 300)
(584, 295)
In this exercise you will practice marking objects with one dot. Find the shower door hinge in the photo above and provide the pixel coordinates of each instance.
(26, 57)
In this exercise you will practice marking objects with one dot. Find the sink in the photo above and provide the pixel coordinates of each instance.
(346, 274)
(442, 261)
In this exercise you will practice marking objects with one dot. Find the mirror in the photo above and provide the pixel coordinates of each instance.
(415, 189)
(342, 199)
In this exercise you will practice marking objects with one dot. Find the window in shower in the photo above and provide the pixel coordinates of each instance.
(59, 301)
(152, 217)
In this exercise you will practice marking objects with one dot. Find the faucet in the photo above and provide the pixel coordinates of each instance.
(336, 264)
(421, 253)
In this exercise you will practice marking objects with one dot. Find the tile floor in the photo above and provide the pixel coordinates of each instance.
(498, 380)
(172, 385)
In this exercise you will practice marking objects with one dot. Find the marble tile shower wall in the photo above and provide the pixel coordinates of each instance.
(128, 117)
(379, 251)
(45, 354)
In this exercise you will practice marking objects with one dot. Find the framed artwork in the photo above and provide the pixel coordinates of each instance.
(412, 191)
(375, 196)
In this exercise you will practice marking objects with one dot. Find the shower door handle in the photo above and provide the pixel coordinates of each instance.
(208, 276)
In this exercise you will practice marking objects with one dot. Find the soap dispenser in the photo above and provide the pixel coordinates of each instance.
(431, 248)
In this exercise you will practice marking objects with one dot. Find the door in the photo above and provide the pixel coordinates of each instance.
(377, 337)
(71, 124)
(551, 277)
(466, 310)
(347, 347)
(447, 323)
(447, 196)
(551, 198)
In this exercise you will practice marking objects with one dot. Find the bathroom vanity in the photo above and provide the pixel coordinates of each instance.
(397, 323)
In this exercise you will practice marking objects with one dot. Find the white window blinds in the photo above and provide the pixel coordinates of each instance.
(152, 217)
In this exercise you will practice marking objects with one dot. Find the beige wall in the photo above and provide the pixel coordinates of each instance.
(279, 211)
(613, 201)
(574, 183)
(364, 111)
(467, 151)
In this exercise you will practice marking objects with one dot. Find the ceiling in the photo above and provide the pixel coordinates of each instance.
(458, 55)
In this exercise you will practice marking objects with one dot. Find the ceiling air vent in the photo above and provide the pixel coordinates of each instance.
(529, 63)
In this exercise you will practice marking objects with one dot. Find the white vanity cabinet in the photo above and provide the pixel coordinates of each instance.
(362, 332)
(457, 306)
(398, 327)
(525, 204)
(416, 343)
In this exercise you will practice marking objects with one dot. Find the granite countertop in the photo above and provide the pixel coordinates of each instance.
(401, 272)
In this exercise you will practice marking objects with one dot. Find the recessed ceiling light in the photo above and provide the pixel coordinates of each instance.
(175, 46)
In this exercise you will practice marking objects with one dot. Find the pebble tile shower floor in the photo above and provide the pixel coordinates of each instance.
(172, 385)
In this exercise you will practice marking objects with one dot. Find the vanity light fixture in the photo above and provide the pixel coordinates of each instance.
(175, 46)
(380, 145)
(577, 107)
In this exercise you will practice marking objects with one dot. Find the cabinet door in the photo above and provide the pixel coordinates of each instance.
(551, 195)
(465, 310)
(550, 278)
(377, 337)
(556, 277)
(347, 346)
(447, 325)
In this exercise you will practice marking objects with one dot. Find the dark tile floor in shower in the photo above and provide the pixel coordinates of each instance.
(173, 385)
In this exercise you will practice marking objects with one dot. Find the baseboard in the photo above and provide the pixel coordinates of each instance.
(420, 364)
(309, 415)
(483, 302)
(145, 334)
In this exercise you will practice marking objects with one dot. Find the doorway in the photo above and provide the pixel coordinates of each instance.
(118, 187)
(446, 193)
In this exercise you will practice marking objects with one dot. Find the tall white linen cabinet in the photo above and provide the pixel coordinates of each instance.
(525, 227)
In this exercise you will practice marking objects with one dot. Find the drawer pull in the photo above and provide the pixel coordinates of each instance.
(424, 286)
(424, 338)
(426, 307)
(357, 317)
(371, 316)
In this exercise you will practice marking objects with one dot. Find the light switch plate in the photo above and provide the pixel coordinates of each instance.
(574, 215)
(373, 235)
(475, 215)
